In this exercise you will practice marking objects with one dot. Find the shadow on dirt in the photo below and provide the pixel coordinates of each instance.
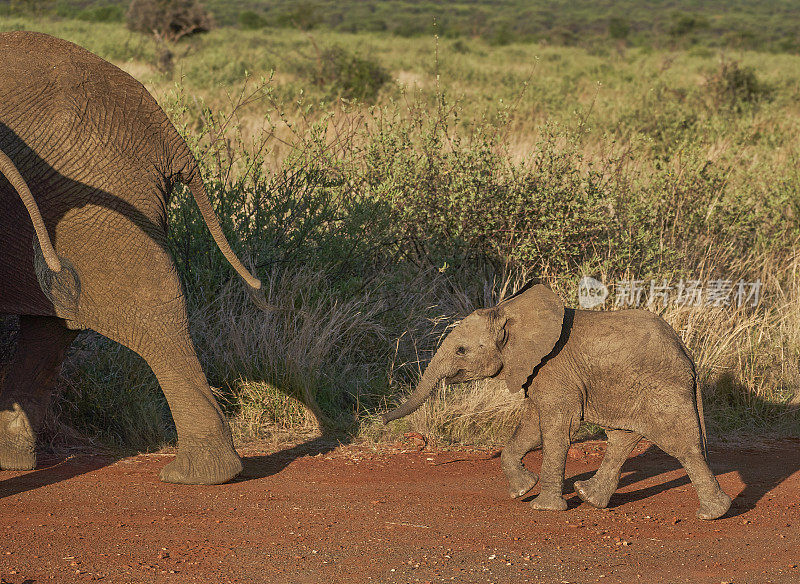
(759, 469)
(262, 466)
(52, 471)
(56, 470)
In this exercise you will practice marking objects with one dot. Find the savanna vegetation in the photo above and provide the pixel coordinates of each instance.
(384, 184)
(772, 25)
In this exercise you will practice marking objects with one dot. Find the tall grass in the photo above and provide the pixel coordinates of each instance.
(376, 227)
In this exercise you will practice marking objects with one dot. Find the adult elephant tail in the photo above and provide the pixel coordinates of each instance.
(198, 191)
(9, 170)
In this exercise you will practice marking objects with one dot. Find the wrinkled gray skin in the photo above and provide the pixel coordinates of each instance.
(626, 371)
(88, 162)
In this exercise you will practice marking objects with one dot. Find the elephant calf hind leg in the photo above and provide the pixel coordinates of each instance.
(714, 502)
(679, 436)
(526, 437)
(41, 346)
(597, 490)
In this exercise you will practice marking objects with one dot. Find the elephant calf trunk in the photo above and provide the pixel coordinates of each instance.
(430, 380)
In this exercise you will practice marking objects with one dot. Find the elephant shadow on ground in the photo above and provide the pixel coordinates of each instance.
(57, 469)
(51, 471)
(760, 469)
(266, 465)
(761, 463)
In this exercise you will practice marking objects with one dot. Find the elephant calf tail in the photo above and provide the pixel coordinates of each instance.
(207, 211)
(699, 403)
(698, 396)
(9, 170)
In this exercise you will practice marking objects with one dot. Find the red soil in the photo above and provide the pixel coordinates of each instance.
(320, 514)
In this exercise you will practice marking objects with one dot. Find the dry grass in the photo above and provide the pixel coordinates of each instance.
(653, 131)
(302, 363)
(746, 360)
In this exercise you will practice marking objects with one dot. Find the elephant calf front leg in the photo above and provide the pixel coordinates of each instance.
(555, 445)
(527, 437)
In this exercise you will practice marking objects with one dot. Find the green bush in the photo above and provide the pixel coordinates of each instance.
(735, 88)
(686, 24)
(618, 28)
(107, 13)
(250, 20)
(169, 20)
(347, 75)
(35, 7)
(304, 15)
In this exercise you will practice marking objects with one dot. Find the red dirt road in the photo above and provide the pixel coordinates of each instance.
(350, 514)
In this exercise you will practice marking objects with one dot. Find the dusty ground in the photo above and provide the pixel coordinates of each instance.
(315, 513)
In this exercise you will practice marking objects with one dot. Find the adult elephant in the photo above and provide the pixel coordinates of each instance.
(89, 160)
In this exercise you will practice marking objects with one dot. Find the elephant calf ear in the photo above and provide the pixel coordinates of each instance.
(534, 320)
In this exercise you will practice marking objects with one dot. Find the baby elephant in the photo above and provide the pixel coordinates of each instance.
(626, 371)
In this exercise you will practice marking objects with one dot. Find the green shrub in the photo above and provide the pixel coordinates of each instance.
(35, 7)
(347, 75)
(458, 203)
(107, 13)
(735, 88)
(169, 20)
(685, 24)
(250, 20)
(618, 28)
(501, 35)
(304, 15)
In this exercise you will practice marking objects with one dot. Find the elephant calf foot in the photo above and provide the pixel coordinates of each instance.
(17, 440)
(520, 481)
(593, 492)
(202, 465)
(549, 502)
(714, 507)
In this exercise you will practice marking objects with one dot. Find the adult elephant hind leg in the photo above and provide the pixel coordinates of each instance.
(205, 446)
(527, 437)
(41, 346)
(597, 490)
(150, 318)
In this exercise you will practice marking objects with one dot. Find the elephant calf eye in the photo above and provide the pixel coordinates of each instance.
(461, 351)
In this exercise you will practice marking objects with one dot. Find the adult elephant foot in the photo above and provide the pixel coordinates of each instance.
(17, 440)
(548, 502)
(593, 492)
(714, 507)
(202, 465)
(520, 482)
